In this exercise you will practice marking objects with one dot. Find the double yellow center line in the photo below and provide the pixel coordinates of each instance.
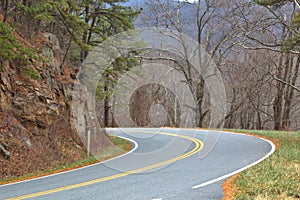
(197, 148)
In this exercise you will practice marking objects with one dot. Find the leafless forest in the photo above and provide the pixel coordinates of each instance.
(250, 46)
(255, 45)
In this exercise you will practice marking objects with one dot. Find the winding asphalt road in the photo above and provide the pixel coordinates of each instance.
(164, 164)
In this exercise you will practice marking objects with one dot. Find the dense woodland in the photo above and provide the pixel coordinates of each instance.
(255, 45)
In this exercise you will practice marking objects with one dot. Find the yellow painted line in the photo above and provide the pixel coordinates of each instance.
(198, 147)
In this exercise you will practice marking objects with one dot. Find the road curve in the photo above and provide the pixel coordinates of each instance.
(164, 164)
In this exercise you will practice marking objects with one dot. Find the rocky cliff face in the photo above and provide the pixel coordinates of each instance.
(35, 128)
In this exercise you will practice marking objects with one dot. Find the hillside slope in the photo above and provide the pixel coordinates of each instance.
(36, 127)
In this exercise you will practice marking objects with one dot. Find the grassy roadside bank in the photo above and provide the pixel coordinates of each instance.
(120, 146)
(276, 178)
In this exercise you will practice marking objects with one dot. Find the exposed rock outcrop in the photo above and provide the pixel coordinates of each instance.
(36, 130)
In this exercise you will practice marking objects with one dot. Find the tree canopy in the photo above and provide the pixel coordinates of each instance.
(10, 47)
(293, 41)
(80, 23)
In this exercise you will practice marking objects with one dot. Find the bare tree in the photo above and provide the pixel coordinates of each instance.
(206, 22)
(266, 31)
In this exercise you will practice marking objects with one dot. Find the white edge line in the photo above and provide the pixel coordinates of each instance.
(273, 148)
(80, 168)
(129, 152)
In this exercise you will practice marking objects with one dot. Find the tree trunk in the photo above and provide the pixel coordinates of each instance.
(199, 98)
(292, 78)
(106, 102)
(5, 10)
(277, 107)
(84, 52)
